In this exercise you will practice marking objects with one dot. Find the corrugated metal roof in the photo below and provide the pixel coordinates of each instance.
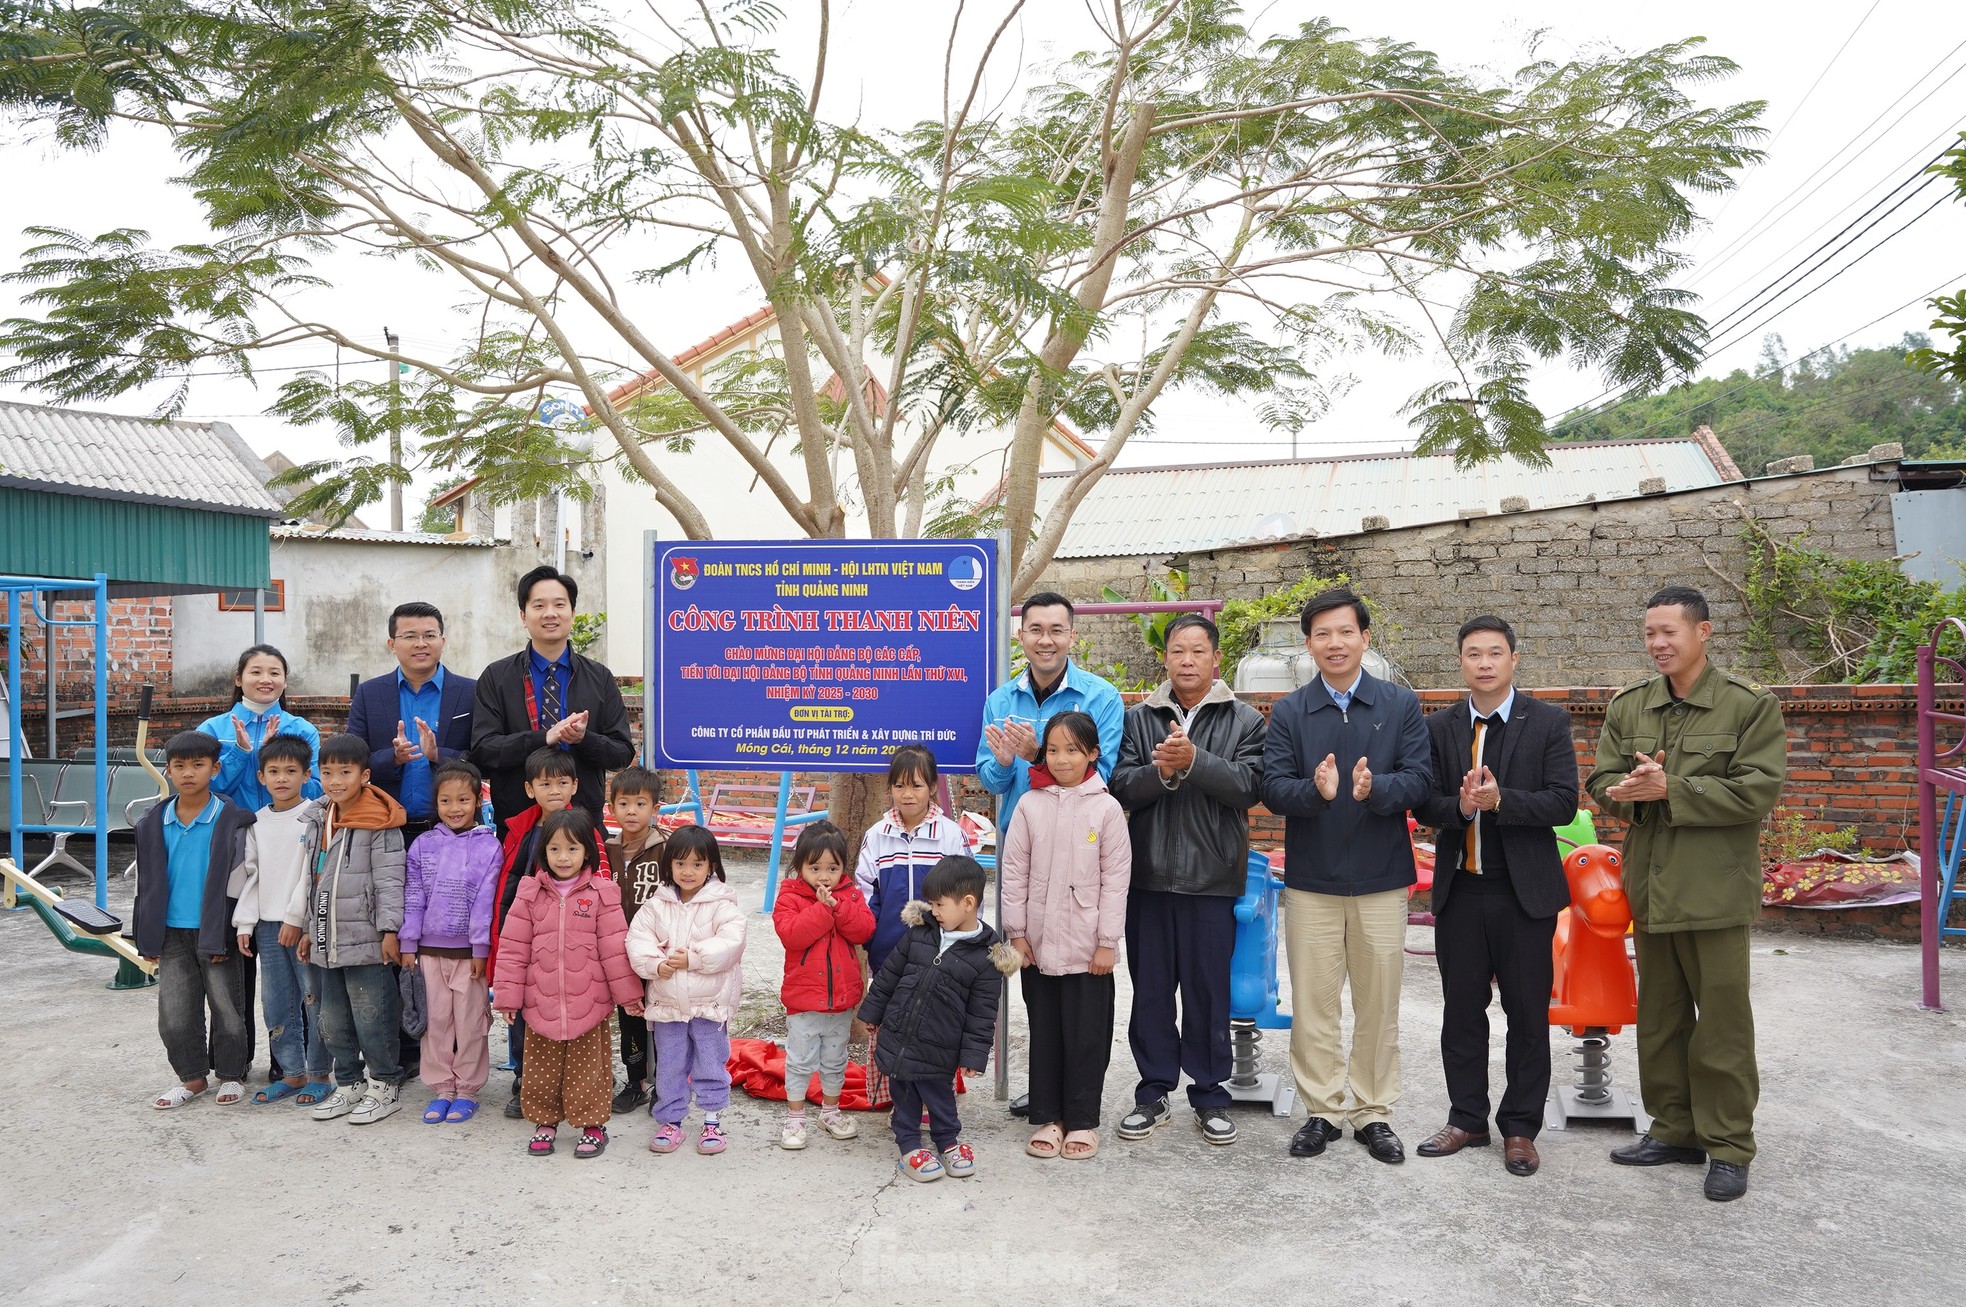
(354, 535)
(1172, 510)
(107, 456)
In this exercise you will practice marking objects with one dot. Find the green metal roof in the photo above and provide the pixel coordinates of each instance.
(144, 548)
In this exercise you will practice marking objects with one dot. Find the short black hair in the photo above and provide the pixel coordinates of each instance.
(1326, 600)
(635, 779)
(551, 762)
(191, 744)
(1079, 725)
(457, 769)
(954, 877)
(1187, 621)
(911, 762)
(820, 837)
(1485, 622)
(1049, 599)
(416, 608)
(547, 573)
(1685, 596)
(577, 824)
(344, 748)
(687, 840)
(286, 748)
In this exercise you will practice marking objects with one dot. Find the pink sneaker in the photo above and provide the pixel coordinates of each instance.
(712, 1138)
(666, 1139)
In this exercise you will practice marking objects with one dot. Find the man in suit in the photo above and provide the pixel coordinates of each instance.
(1505, 775)
(1345, 758)
(415, 717)
(546, 695)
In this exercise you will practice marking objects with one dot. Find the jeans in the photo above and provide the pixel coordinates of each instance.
(293, 1026)
(189, 984)
(692, 1058)
(361, 1020)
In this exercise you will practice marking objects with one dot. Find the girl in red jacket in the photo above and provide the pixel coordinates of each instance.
(820, 918)
(563, 961)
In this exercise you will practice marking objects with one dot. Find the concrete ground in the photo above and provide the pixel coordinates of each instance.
(1858, 1195)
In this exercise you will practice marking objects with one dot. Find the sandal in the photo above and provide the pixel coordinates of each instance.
(1046, 1142)
(710, 1140)
(175, 1097)
(542, 1141)
(276, 1091)
(229, 1092)
(313, 1092)
(593, 1142)
(1086, 1141)
(437, 1112)
(462, 1109)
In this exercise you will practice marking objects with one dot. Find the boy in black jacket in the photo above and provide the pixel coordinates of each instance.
(942, 983)
(187, 849)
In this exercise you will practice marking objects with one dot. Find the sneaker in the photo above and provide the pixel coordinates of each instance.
(666, 1139)
(710, 1141)
(340, 1103)
(1216, 1127)
(630, 1097)
(793, 1137)
(1142, 1120)
(839, 1125)
(919, 1165)
(378, 1102)
(959, 1161)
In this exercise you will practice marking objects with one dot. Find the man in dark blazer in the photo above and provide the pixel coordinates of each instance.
(1506, 775)
(548, 696)
(416, 717)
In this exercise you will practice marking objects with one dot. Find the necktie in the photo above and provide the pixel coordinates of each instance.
(1472, 862)
(549, 700)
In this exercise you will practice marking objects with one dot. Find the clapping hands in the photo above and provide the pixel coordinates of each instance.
(1644, 783)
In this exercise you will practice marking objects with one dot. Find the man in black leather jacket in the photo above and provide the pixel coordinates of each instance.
(1190, 762)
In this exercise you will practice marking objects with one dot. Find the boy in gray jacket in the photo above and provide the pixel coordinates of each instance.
(354, 856)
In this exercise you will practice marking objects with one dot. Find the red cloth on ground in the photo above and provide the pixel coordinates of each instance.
(757, 1066)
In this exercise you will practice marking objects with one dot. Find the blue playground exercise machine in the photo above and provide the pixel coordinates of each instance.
(1253, 992)
(77, 925)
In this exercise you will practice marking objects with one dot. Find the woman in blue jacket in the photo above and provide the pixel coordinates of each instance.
(257, 685)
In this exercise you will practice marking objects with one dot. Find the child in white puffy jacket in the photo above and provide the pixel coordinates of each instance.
(687, 942)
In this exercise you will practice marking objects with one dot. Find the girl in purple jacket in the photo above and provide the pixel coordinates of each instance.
(1067, 863)
(447, 914)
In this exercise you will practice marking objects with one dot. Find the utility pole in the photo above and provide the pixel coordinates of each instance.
(395, 432)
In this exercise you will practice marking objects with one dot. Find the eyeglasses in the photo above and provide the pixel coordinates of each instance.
(420, 637)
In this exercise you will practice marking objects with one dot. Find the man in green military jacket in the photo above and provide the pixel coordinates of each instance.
(1694, 759)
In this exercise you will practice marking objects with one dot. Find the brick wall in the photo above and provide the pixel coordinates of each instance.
(139, 648)
(1569, 579)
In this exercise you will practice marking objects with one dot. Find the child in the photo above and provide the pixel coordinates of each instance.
(937, 996)
(561, 961)
(688, 943)
(820, 917)
(551, 779)
(354, 849)
(272, 893)
(634, 798)
(447, 911)
(1067, 862)
(899, 850)
(187, 850)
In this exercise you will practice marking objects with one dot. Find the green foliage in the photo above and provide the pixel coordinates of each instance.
(1161, 590)
(586, 630)
(1241, 620)
(1792, 836)
(1832, 405)
(1948, 364)
(440, 521)
(1815, 617)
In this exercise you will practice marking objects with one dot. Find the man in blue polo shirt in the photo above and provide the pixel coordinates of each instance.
(415, 717)
(1016, 711)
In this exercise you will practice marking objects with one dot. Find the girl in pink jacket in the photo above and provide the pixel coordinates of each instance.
(1066, 866)
(563, 961)
(688, 943)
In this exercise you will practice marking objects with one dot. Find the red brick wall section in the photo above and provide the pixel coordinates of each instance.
(139, 648)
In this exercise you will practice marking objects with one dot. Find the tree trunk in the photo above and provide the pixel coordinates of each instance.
(855, 804)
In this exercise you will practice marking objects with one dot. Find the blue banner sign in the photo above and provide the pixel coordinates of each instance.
(825, 655)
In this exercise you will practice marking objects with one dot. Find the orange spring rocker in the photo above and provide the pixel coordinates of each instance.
(1596, 990)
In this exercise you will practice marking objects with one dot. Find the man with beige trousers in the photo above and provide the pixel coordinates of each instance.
(1346, 756)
